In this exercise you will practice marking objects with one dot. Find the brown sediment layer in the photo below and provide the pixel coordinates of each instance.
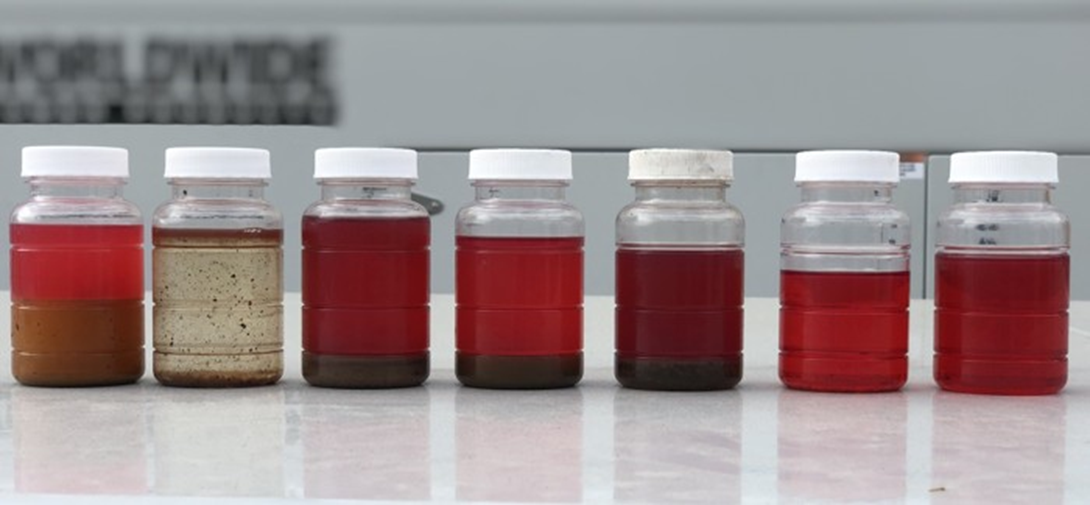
(77, 342)
(519, 372)
(667, 374)
(365, 372)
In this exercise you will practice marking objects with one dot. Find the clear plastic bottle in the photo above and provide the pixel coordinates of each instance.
(679, 274)
(1002, 277)
(217, 271)
(77, 271)
(844, 276)
(519, 273)
(365, 272)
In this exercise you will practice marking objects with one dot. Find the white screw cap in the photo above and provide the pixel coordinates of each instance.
(1004, 167)
(847, 166)
(520, 164)
(75, 161)
(680, 165)
(217, 163)
(364, 163)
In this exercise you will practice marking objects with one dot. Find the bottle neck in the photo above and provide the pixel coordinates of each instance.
(76, 187)
(218, 189)
(520, 190)
(847, 192)
(993, 193)
(366, 189)
(703, 191)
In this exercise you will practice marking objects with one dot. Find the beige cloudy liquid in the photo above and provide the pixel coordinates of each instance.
(218, 315)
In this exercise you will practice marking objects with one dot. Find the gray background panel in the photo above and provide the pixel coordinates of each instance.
(789, 75)
(755, 87)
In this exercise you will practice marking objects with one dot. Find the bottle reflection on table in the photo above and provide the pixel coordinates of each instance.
(524, 446)
(839, 448)
(80, 442)
(996, 449)
(219, 442)
(373, 445)
(664, 455)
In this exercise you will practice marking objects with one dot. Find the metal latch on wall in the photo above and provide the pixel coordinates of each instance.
(433, 204)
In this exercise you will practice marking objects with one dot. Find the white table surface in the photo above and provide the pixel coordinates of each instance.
(595, 443)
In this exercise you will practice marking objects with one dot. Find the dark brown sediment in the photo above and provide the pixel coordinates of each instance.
(519, 372)
(71, 343)
(209, 372)
(365, 372)
(668, 374)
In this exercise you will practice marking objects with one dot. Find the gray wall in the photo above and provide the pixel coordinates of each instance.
(764, 78)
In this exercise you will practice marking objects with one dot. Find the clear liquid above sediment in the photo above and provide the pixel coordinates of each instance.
(218, 317)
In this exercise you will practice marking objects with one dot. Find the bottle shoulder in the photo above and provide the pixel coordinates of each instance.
(845, 229)
(679, 212)
(520, 218)
(523, 210)
(680, 224)
(1007, 226)
(217, 214)
(818, 213)
(972, 213)
(365, 209)
(76, 210)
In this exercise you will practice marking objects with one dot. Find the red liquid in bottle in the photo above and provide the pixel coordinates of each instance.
(844, 332)
(77, 304)
(365, 295)
(679, 318)
(519, 297)
(77, 262)
(1001, 323)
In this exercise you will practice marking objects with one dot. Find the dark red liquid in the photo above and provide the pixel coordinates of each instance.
(679, 304)
(519, 296)
(844, 332)
(1001, 323)
(77, 262)
(365, 286)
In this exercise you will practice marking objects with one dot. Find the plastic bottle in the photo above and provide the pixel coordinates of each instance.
(217, 271)
(1002, 277)
(844, 278)
(365, 272)
(519, 273)
(77, 271)
(679, 274)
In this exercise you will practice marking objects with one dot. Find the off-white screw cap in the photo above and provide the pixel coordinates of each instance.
(365, 163)
(520, 164)
(847, 166)
(75, 161)
(680, 165)
(1004, 167)
(217, 163)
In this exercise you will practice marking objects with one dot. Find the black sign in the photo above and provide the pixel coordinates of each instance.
(271, 81)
